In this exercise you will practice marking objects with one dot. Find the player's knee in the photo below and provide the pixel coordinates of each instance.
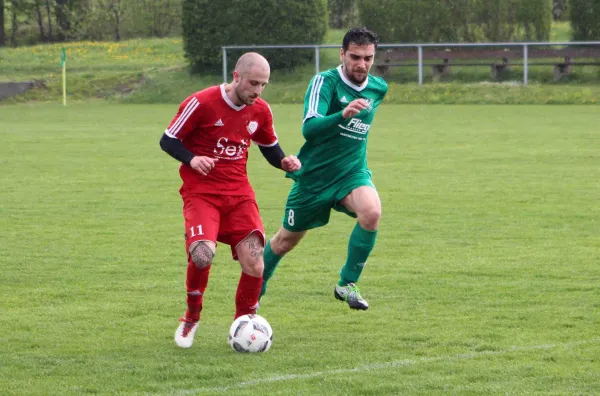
(282, 243)
(201, 254)
(250, 253)
(253, 267)
(369, 219)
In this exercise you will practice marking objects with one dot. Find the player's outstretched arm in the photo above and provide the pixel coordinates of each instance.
(275, 156)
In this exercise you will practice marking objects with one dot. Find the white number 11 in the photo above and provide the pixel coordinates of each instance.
(193, 229)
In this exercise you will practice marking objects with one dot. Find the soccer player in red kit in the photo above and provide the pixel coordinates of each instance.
(210, 136)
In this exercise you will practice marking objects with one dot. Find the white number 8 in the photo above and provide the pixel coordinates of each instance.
(291, 217)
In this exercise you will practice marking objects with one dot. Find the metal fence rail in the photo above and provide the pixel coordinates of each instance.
(317, 47)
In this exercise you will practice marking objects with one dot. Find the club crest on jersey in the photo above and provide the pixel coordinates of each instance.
(252, 126)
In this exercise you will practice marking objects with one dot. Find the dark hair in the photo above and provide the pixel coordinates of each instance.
(359, 36)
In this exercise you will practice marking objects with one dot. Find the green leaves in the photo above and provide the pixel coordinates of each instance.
(585, 19)
(207, 26)
(457, 20)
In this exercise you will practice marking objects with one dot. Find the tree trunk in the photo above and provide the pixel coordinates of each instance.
(117, 26)
(14, 24)
(49, 12)
(2, 31)
(115, 9)
(62, 19)
(40, 22)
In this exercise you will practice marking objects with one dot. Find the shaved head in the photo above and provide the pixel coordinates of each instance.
(251, 75)
(251, 61)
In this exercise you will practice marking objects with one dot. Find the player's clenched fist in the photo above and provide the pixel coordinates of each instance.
(290, 163)
(354, 108)
(202, 164)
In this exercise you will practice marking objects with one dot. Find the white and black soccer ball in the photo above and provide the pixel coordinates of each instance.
(250, 333)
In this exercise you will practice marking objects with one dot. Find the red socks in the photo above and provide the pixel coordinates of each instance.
(246, 298)
(196, 282)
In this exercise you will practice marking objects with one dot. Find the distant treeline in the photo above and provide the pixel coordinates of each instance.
(222, 22)
(24, 22)
(458, 20)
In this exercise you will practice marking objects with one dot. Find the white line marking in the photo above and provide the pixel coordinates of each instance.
(380, 366)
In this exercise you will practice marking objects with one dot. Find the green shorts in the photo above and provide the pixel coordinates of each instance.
(306, 209)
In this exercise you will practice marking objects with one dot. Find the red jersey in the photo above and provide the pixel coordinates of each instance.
(210, 124)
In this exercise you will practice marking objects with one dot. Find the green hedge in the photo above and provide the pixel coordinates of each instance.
(457, 20)
(208, 25)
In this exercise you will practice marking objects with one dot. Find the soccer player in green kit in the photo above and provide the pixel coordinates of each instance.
(339, 108)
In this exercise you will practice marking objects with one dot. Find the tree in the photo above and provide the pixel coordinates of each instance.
(457, 20)
(534, 24)
(40, 21)
(115, 7)
(585, 19)
(342, 13)
(62, 19)
(154, 18)
(208, 25)
(14, 22)
(49, 15)
(32, 21)
(2, 30)
(559, 10)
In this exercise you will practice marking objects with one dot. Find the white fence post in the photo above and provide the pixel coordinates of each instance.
(525, 63)
(420, 64)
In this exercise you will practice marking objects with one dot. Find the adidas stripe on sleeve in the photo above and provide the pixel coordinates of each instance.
(318, 97)
(183, 123)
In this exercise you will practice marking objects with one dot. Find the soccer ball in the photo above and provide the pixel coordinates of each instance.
(250, 333)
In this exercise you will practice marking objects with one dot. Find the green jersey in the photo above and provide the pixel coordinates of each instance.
(335, 147)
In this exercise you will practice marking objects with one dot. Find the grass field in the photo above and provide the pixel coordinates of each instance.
(485, 278)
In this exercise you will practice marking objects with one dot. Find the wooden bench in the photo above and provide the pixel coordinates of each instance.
(498, 59)
(440, 70)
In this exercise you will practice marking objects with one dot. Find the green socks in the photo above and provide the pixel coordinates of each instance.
(360, 246)
(271, 262)
(361, 243)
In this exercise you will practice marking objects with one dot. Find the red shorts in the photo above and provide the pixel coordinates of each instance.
(223, 218)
